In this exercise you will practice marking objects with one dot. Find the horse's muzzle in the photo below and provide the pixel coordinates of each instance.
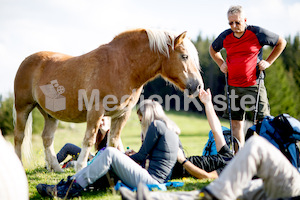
(194, 87)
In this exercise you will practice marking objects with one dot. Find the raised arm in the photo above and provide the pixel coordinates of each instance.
(213, 120)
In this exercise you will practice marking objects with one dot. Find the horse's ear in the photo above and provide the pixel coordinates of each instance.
(179, 39)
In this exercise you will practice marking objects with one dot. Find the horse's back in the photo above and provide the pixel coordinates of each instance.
(38, 60)
(31, 68)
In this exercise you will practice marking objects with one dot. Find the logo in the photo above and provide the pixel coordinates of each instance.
(54, 100)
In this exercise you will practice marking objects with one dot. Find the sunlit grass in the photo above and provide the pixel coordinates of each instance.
(194, 134)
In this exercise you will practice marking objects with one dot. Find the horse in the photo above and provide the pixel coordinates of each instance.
(13, 180)
(112, 75)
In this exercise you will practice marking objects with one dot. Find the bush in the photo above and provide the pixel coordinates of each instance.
(37, 122)
(6, 117)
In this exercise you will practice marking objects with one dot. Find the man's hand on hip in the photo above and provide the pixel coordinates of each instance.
(224, 68)
(262, 65)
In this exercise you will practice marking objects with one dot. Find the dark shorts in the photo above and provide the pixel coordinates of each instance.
(243, 99)
(207, 163)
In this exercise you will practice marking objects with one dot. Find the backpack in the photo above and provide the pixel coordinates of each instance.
(283, 132)
(210, 146)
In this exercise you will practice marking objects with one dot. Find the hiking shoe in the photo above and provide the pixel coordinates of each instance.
(127, 194)
(205, 194)
(67, 189)
(45, 190)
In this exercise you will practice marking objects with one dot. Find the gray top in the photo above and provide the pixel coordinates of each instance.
(160, 147)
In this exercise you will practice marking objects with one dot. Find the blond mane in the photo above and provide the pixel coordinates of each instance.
(160, 41)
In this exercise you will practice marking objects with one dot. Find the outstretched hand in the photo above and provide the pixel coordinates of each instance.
(205, 96)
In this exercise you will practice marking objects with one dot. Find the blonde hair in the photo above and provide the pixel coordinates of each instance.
(152, 110)
(236, 10)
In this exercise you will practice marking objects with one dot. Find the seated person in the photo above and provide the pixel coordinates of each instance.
(160, 146)
(205, 166)
(278, 178)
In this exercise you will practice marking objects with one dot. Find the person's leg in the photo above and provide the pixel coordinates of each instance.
(263, 105)
(238, 131)
(255, 190)
(237, 114)
(261, 158)
(68, 149)
(144, 193)
(192, 195)
(124, 167)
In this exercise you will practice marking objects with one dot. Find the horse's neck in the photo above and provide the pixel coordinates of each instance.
(140, 63)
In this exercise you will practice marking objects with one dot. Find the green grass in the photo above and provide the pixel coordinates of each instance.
(194, 134)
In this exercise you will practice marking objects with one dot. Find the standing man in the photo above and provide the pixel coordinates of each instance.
(243, 44)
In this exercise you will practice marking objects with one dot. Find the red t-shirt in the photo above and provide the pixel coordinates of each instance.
(244, 53)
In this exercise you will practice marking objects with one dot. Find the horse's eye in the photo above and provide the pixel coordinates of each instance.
(184, 57)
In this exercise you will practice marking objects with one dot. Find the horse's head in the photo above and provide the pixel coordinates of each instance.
(181, 64)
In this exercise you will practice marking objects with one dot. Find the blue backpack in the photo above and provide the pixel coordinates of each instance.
(210, 146)
(283, 132)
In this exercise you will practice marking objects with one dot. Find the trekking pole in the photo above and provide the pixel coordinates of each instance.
(229, 111)
(260, 77)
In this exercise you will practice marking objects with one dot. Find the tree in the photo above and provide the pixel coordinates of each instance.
(291, 58)
(282, 90)
(7, 121)
(6, 117)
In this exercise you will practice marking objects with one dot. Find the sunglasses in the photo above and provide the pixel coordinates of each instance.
(237, 23)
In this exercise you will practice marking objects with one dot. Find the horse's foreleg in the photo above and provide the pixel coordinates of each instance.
(117, 124)
(93, 123)
(48, 140)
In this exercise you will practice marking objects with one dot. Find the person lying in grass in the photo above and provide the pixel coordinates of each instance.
(72, 150)
(160, 147)
(205, 166)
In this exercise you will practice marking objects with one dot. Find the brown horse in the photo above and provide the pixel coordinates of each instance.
(112, 76)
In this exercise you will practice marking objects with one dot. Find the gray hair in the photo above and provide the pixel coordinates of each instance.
(152, 110)
(236, 10)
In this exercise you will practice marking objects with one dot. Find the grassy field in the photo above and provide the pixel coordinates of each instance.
(194, 128)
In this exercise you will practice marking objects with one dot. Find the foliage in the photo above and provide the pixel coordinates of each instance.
(283, 80)
(37, 122)
(282, 90)
(291, 58)
(6, 117)
(212, 76)
(7, 121)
